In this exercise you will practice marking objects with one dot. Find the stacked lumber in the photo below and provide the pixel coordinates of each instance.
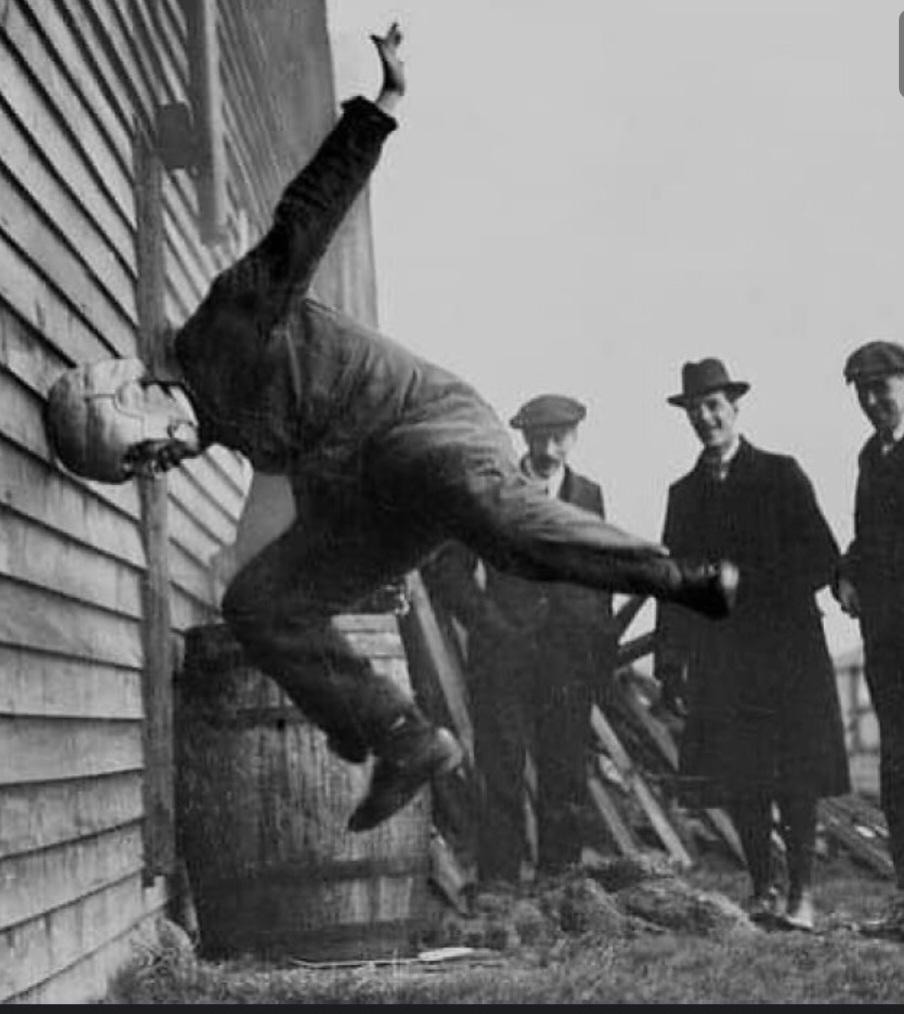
(632, 775)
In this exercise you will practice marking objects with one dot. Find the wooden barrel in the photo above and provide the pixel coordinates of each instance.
(262, 809)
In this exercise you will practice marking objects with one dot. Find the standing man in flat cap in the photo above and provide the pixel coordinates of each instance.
(870, 585)
(763, 722)
(536, 653)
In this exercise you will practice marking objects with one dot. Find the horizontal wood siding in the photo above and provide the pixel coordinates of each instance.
(77, 79)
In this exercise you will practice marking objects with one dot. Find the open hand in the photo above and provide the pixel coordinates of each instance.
(393, 67)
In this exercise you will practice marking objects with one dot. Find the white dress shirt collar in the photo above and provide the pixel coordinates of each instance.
(552, 485)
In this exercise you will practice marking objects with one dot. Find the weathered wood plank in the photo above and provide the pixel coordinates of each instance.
(24, 162)
(42, 881)
(650, 805)
(41, 685)
(220, 478)
(197, 503)
(40, 556)
(35, 88)
(28, 228)
(39, 619)
(80, 63)
(34, 817)
(420, 623)
(611, 817)
(33, 489)
(26, 354)
(189, 577)
(43, 307)
(48, 749)
(71, 951)
(190, 610)
(628, 611)
(845, 829)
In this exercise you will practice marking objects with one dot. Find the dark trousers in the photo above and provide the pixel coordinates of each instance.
(525, 713)
(884, 664)
(280, 604)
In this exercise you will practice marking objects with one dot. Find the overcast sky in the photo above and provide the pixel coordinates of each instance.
(584, 194)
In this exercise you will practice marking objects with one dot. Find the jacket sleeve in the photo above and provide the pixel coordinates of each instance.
(672, 629)
(307, 216)
(850, 564)
(812, 551)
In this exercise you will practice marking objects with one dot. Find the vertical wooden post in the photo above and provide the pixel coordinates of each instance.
(158, 796)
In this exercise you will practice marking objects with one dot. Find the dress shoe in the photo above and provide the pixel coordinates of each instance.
(707, 588)
(764, 908)
(408, 762)
(800, 915)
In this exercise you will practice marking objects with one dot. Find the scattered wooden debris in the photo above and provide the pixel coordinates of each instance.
(860, 829)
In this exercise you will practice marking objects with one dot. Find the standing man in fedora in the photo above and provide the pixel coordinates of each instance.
(537, 651)
(762, 717)
(870, 585)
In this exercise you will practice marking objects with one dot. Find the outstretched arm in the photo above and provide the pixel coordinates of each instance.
(256, 289)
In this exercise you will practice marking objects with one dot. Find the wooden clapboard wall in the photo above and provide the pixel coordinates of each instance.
(78, 79)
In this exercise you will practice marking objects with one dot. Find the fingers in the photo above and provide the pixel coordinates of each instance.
(391, 40)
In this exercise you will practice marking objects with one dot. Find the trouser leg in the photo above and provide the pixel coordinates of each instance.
(279, 608)
(562, 721)
(890, 714)
(500, 746)
(521, 531)
(752, 816)
(798, 823)
(885, 677)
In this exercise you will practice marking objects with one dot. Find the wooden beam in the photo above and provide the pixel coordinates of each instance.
(159, 853)
(421, 624)
(635, 781)
(846, 828)
(628, 611)
(608, 811)
(632, 650)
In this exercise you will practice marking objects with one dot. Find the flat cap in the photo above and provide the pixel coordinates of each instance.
(548, 410)
(872, 360)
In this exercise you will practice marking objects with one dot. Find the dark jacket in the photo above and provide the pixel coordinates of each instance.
(565, 622)
(297, 387)
(874, 561)
(763, 704)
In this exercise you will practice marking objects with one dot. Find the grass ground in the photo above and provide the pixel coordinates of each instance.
(833, 966)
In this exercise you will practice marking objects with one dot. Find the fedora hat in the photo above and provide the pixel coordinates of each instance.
(704, 377)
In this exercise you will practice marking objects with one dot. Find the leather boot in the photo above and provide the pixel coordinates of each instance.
(707, 588)
(413, 752)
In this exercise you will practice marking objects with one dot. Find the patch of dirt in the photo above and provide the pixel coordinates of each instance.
(615, 897)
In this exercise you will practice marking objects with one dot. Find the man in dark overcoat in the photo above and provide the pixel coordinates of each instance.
(870, 586)
(536, 653)
(389, 455)
(763, 721)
